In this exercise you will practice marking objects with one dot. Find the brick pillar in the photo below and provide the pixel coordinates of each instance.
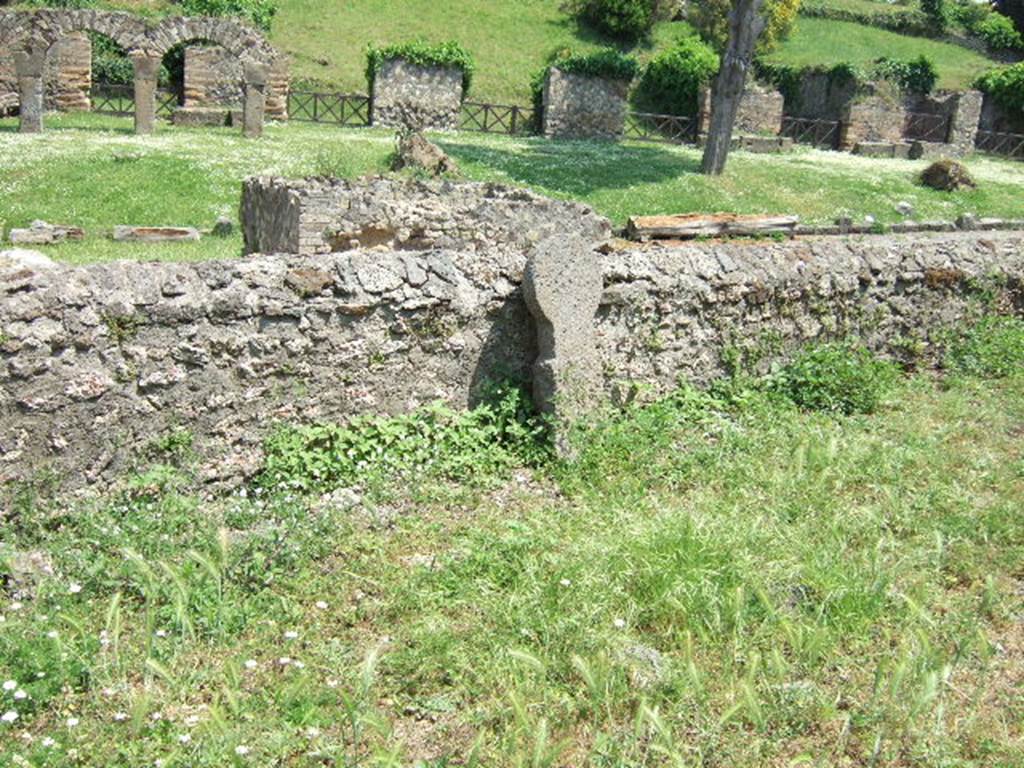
(147, 68)
(29, 65)
(255, 77)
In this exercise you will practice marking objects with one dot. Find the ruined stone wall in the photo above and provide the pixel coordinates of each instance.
(69, 74)
(875, 118)
(995, 118)
(760, 111)
(582, 107)
(406, 94)
(100, 361)
(213, 78)
(962, 110)
(821, 97)
(324, 215)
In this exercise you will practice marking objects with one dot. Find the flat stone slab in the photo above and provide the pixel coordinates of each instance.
(41, 233)
(125, 234)
(206, 117)
(763, 145)
(882, 149)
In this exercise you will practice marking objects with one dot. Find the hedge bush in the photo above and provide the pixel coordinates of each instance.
(999, 33)
(450, 54)
(938, 15)
(1005, 85)
(627, 20)
(910, 21)
(671, 82)
(915, 76)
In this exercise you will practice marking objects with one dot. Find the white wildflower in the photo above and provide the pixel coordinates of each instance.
(291, 634)
(120, 717)
(9, 717)
(565, 583)
(251, 664)
(74, 588)
(241, 750)
(184, 738)
(10, 685)
(619, 623)
(48, 742)
(321, 604)
(72, 722)
(20, 694)
(284, 661)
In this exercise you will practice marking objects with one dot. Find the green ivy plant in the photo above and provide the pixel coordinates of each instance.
(449, 55)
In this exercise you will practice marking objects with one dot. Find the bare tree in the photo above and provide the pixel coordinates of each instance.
(745, 26)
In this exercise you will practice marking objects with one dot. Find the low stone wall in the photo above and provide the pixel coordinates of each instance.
(579, 107)
(101, 361)
(323, 215)
(995, 118)
(760, 111)
(406, 94)
(213, 78)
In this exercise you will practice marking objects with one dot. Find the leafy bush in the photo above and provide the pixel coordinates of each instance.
(837, 378)
(909, 21)
(992, 348)
(257, 12)
(916, 76)
(672, 80)
(969, 14)
(937, 14)
(787, 79)
(622, 19)
(999, 33)
(432, 440)
(1005, 85)
(423, 54)
(711, 19)
(110, 64)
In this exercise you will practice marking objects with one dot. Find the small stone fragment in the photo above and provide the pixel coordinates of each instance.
(123, 234)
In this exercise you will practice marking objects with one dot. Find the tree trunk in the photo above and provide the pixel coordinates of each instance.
(745, 25)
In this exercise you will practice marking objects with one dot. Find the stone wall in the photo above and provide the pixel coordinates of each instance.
(406, 94)
(995, 118)
(821, 97)
(69, 74)
(962, 110)
(213, 78)
(760, 111)
(100, 361)
(324, 215)
(874, 118)
(580, 107)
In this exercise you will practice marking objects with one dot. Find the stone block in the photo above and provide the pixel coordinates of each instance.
(41, 233)
(898, 150)
(124, 233)
(206, 117)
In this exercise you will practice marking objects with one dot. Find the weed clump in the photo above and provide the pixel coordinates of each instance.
(837, 378)
(947, 176)
(990, 349)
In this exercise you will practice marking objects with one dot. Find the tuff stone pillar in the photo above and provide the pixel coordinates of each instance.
(147, 67)
(255, 100)
(29, 65)
(562, 285)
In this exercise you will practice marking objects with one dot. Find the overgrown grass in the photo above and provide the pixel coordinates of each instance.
(821, 42)
(91, 171)
(713, 580)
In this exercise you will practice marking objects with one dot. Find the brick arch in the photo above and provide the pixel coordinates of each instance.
(42, 29)
(238, 39)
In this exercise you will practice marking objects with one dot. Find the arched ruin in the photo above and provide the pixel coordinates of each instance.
(31, 34)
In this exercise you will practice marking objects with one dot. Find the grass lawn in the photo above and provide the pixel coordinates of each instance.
(711, 582)
(824, 42)
(93, 172)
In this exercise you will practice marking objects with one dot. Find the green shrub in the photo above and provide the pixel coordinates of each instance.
(992, 348)
(423, 54)
(672, 80)
(915, 76)
(969, 14)
(937, 14)
(434, 440)
(110, 64)
(999, 33)
(1005, 85)
(909, 21)
(787, 79)
(711, 19)
(257, 12)
(837, 378)
(622, 19)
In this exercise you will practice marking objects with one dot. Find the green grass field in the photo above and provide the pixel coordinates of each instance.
(712, 581)
(93, 172)
(822, 42)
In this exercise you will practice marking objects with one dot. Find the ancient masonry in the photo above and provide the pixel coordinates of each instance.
(31, 35)
(418, 97)
(213, 78)
(581, 107)
(424, 301)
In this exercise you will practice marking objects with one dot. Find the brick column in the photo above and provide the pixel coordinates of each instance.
(147, 68)
(29, 64)
(255, 77)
